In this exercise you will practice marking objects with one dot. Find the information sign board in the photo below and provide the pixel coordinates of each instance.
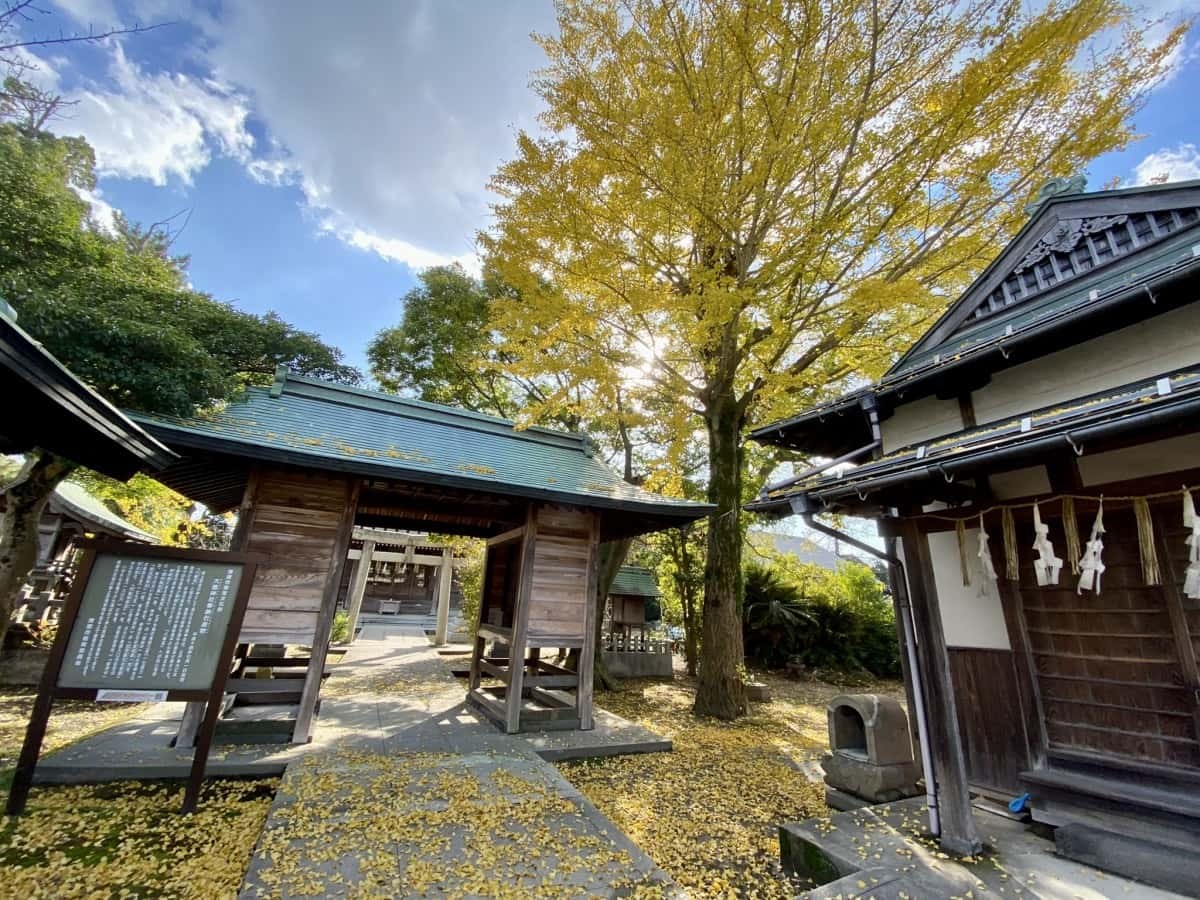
(142, 624)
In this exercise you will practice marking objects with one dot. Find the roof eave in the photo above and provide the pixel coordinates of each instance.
(184, 437)
(987, 460)
(58, 385)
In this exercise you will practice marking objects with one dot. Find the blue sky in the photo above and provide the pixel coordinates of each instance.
(328, 151)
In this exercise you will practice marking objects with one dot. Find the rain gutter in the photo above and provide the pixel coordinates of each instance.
(1073, 439)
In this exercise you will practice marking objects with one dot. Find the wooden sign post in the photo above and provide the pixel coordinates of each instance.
(143, 624)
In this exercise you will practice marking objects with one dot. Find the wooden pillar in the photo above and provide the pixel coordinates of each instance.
(959, 834)
(358, 585)
(587, 656)
(193, 712)
(445, 577)
(1177, 611)
(320, 643)
(516, 651)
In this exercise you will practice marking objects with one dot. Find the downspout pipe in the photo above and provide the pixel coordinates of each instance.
(899, 579)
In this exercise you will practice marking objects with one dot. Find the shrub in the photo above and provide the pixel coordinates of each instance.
(827, 620)
(341, 627)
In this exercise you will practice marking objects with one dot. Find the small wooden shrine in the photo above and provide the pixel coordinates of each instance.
(308, 464)
(71, 515)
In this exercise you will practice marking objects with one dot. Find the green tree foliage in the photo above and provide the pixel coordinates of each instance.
(835, 621)
(442, 351)
(118, 311)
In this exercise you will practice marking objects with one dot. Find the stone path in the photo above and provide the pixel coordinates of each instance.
(424, 798)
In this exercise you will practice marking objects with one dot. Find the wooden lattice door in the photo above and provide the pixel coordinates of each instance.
(1116, 671)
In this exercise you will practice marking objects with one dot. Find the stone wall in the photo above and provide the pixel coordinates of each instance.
(624, 664)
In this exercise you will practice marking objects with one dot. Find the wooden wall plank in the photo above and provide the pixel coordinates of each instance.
(990, 717)
(324, 623)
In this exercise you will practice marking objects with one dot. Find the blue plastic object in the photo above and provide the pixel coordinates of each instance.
(1018, 804)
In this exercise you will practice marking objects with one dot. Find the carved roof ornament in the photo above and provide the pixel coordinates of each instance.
(1056, 187)
(1065, 235)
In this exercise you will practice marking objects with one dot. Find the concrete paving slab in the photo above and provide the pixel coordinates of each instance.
(355, 710)
(885, 851)
(404, 791)
(439, 825)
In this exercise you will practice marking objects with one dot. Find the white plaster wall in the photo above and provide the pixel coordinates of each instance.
(972, 615)
(1158, 458)
(1027, 482)
(920, 421)
(1158, 345)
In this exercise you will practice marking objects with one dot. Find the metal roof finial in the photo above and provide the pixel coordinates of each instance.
(281, 374)
(1056, 187)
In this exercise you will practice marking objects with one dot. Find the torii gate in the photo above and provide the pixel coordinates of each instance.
(410, 540)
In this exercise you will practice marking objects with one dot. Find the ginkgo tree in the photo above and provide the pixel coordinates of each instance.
(740, 206)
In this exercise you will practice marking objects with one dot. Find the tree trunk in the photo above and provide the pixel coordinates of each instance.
(25, 501)
(612, 557)
(677, 548)
(720, 692)
(691, 630)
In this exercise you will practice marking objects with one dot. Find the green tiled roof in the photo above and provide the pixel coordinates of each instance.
(1172, 254)
(635, 581)
(73, 500)
(309, 422)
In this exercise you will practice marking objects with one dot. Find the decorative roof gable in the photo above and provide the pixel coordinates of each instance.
(1070, 248)
(1073, 243)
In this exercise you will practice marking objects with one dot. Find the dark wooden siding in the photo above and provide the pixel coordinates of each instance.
(1108, 666)
(990, 717)
(296, 526)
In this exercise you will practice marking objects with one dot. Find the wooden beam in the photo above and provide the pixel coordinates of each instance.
(390, 536)
(444, 579)
(516, 651)
(418, 559)
(193, 712)
(895, 573)
(320, 645)
(1179, 619)
(959, 834)
(1029, 695)
(587, 653)
(358, 585)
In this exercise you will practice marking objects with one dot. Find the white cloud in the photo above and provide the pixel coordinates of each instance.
(402, 251)
(1179, 163)
(97, 14)
(392, 116)
(104, 214)
(158, 125)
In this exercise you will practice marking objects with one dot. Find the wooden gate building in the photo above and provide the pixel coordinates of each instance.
(1065, 382)
(306, 462)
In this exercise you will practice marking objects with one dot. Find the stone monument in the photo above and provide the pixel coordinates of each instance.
(871, 759)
